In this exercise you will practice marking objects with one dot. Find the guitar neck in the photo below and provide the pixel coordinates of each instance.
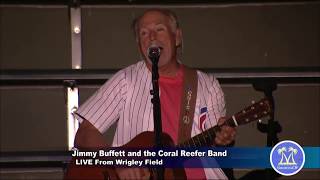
(206, 138)
(251, 113)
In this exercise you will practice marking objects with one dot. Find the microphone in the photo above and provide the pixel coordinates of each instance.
(154, 52)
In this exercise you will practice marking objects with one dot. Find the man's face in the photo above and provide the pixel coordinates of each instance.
(156, 28)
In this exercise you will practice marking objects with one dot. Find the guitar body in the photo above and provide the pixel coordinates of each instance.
(143, 140)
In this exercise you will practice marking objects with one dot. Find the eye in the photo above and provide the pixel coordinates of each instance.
(160, 29)
(143, 33)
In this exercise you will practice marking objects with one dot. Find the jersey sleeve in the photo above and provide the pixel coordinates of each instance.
(103, 108)
(216, 103)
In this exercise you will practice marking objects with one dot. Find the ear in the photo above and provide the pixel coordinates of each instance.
(178, 37)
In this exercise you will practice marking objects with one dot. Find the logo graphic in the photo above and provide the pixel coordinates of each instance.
(287, 158)
(202, 117)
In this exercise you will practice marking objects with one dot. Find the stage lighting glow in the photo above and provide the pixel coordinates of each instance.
(76, 29)
(73, 124)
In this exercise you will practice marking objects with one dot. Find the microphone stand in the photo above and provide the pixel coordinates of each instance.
(156, 108)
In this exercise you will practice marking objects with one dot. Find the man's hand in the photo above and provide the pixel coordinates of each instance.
(226, 135)
(133, 173)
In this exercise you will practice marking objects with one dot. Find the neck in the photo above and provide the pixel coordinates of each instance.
(171, 69)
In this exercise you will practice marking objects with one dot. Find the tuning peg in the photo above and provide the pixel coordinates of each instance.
(255, 116)
(252, 102)
(259, 121)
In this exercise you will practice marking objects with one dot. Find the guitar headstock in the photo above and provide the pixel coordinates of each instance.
(253, 112)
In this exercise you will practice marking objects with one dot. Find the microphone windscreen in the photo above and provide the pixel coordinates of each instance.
(154, 51)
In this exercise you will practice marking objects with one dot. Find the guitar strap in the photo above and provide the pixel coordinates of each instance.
(188, 102)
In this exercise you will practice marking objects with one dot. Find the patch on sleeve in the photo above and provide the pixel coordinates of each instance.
(202, 117)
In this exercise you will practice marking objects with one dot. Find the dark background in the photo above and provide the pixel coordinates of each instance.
(215, 35)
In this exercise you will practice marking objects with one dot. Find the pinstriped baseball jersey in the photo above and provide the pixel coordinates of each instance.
(126, 98)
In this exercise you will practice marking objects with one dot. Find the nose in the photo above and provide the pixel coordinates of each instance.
(152, 35)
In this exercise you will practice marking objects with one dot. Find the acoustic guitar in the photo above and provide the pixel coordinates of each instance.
(251, 113)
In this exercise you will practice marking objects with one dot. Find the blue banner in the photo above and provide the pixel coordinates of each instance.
(236, 157)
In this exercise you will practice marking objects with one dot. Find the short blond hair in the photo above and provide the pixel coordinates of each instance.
(170, 14)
